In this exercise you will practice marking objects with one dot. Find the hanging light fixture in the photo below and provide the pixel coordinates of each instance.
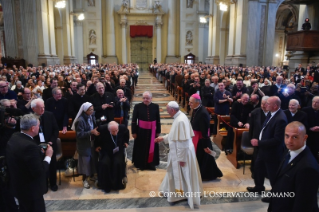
(60, 4)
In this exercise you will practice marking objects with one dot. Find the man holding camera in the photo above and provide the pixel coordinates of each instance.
(27, 165)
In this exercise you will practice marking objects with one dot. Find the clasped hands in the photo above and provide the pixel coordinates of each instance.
(240, 124)
(104, 106)
(315, 129)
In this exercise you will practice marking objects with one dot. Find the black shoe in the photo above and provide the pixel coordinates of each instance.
(228, 151)
(254, 189)
(265, 199)
(54, 188)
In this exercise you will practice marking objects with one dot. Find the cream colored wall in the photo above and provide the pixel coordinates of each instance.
(93, 20)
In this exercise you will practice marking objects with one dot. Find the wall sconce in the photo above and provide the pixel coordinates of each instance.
(223, 4)
(79, 14)
(202, 19)
(60, 4)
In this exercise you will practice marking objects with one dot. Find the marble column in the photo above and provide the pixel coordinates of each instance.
(54, 58)
(124, 47)
(210, 31)
(9, 25)
(66, 31)
(171, 28)
(201, 40)
(252, 38)
(270, 34)
(44, 31)
(3, 52)
(78, 28)
(159, 41)
(215, 35)
(109, 55)
(232, 34)
(241, 33)
(29, 31)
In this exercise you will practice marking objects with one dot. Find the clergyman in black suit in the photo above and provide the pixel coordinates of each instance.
(271, 145)
(313, 126)
(293, 114)
(257, 118)
(27, 166)
(114, 138)
(50, 130)
(298, 174)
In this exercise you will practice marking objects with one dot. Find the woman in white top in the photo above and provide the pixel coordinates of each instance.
(247, 81)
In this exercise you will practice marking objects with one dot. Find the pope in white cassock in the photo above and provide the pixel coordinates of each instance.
(182, 180)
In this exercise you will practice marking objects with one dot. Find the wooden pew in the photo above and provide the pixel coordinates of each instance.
(221, 136)
(68, 143)
(119, 120)
(233, 157)
(211, 110)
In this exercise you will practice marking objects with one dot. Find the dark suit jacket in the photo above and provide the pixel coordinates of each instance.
(98, 101)
(26, 167)
(257, 118)
(271, 145)
(299, 116)
(105, 141)
(47, 93)
(50, 129)
(300, 176)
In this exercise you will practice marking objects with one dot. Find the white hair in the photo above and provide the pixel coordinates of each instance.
(35, 102)
(294, 100)
(264, 98)
(148, 93)
(112, 124)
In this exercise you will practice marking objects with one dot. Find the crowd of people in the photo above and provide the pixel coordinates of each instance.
(263, 100)
(92, 97)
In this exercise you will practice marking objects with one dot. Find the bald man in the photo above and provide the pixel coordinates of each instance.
(298, 174)
(270, 145)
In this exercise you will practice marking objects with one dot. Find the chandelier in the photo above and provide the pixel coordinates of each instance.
(223, 4)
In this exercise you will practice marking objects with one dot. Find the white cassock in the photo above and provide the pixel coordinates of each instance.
(186, 179)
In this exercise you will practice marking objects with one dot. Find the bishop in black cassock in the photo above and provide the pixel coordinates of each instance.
(201, 124)
(148, 126)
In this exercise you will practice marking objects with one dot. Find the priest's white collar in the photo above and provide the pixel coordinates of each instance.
(177, 114)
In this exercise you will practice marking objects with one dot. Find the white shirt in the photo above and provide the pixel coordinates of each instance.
(272, 115)
(293, 114)
(295, 153)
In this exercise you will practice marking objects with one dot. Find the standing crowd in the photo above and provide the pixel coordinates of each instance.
(39, 103)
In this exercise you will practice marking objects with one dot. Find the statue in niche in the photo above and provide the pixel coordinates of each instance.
(189, 38)
(158, 7)
(91, 3)
(92, 37)
(190, 3)
(125, 6)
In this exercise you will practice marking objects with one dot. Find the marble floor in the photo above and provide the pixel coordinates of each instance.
(71, 195)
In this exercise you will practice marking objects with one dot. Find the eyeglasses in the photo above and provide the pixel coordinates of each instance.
(4, 86)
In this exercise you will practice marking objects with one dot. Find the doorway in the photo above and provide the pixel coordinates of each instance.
(141, 52)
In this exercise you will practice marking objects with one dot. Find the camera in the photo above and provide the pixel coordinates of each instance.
(103, 118)
(43, 146)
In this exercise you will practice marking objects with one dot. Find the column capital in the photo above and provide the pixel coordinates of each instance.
(78, 23)
(158, 24)
(123, 23)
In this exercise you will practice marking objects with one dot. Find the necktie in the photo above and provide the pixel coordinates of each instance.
(287, 158)
(267, 119)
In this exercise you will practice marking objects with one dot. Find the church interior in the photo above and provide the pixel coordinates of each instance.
(226, 32)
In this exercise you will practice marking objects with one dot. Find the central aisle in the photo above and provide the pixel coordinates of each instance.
(72, 196)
